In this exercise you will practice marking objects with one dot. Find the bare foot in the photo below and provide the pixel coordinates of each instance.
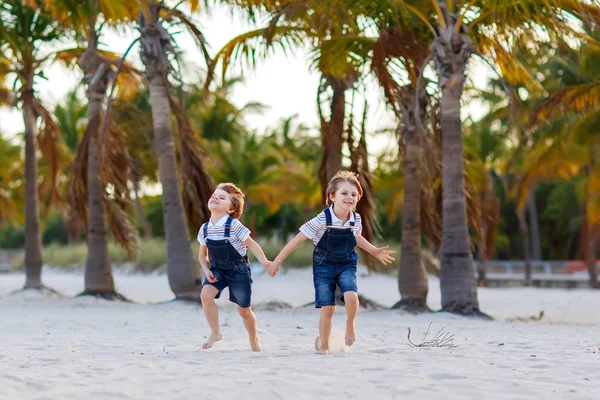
(212, 339)
(255, 344)
(318, 347)
(350, 334)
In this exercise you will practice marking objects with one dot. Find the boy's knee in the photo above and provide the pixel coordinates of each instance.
(245, 312)
(328, 311)
(207, 294)
(350, 297)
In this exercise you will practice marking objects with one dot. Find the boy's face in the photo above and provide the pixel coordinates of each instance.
(345, 197)
(221, 202)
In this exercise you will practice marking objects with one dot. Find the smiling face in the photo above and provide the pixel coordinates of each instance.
(220, 202)
(345, 197)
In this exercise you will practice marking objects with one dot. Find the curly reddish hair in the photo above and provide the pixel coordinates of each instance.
(237, 198)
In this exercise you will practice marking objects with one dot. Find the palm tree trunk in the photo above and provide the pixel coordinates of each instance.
(457, 272)
(135, 180)
(482, 245)
(334, 139)
(33, 244)
(523, 227)
(412, 276)
(146, 230)
(591, 256)
(451, 52)
(536, 245)
(98, 270)
(181, 267)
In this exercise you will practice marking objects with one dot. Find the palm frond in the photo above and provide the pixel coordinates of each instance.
(580, 99)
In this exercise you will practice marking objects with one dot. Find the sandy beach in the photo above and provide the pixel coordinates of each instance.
(61, 348)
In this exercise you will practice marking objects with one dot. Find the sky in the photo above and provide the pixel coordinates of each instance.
(286, 84)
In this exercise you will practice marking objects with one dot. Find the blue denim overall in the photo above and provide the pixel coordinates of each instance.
(334, 262)
(229, 267)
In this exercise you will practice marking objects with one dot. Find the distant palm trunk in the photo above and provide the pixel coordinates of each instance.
(135, 180)
(457, 272)
(182, 269)
(412, 275)
(181, 266)
(536, 246)
(523, 227)
(590, 254)
(452, 51)
(336, 128)
(33, 244)
(98, 270)
(482, 243)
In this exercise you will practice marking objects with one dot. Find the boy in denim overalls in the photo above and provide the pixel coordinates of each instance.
(335, 232)
(227, 241)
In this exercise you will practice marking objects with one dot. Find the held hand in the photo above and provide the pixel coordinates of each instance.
(210, 276)
(266, 265)
(273, 268)
(383, 255)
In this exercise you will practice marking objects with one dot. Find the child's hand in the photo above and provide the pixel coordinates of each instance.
(210, 276)
(383, 255)
(266, 265)
(273, 269)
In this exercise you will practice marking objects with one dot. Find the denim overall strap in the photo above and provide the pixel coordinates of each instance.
(205, 230)
(228, 226)
(328, 220)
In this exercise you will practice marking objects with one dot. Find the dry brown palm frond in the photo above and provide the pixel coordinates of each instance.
(396, 44)
(77, 187)
(580, 99)
(115, 176)
(197, 184)
(53, 150)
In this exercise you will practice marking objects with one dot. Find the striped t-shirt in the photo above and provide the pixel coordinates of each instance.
(316, 227)
(238, 234)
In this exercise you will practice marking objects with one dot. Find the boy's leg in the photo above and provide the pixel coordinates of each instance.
(325, 323)
(324, 282)
(250, 323)
(347, 284)
(351, 301)
(211, 312)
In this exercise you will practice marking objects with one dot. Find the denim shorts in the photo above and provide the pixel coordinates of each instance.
(326, 275)
(239, 281)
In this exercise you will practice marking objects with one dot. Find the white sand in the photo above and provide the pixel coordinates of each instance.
(85, 348)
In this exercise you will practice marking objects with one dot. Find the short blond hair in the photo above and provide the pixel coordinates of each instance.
(237, 198)
(339, 177)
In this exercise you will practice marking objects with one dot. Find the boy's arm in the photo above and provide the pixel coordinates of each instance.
(202, 259)
(286, 251)
(381, 253)
(258, 252)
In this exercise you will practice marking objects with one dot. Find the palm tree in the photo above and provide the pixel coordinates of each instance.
(565, 146)
(95, 170)
(462, 29)
(157, 53)
(24, 32)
